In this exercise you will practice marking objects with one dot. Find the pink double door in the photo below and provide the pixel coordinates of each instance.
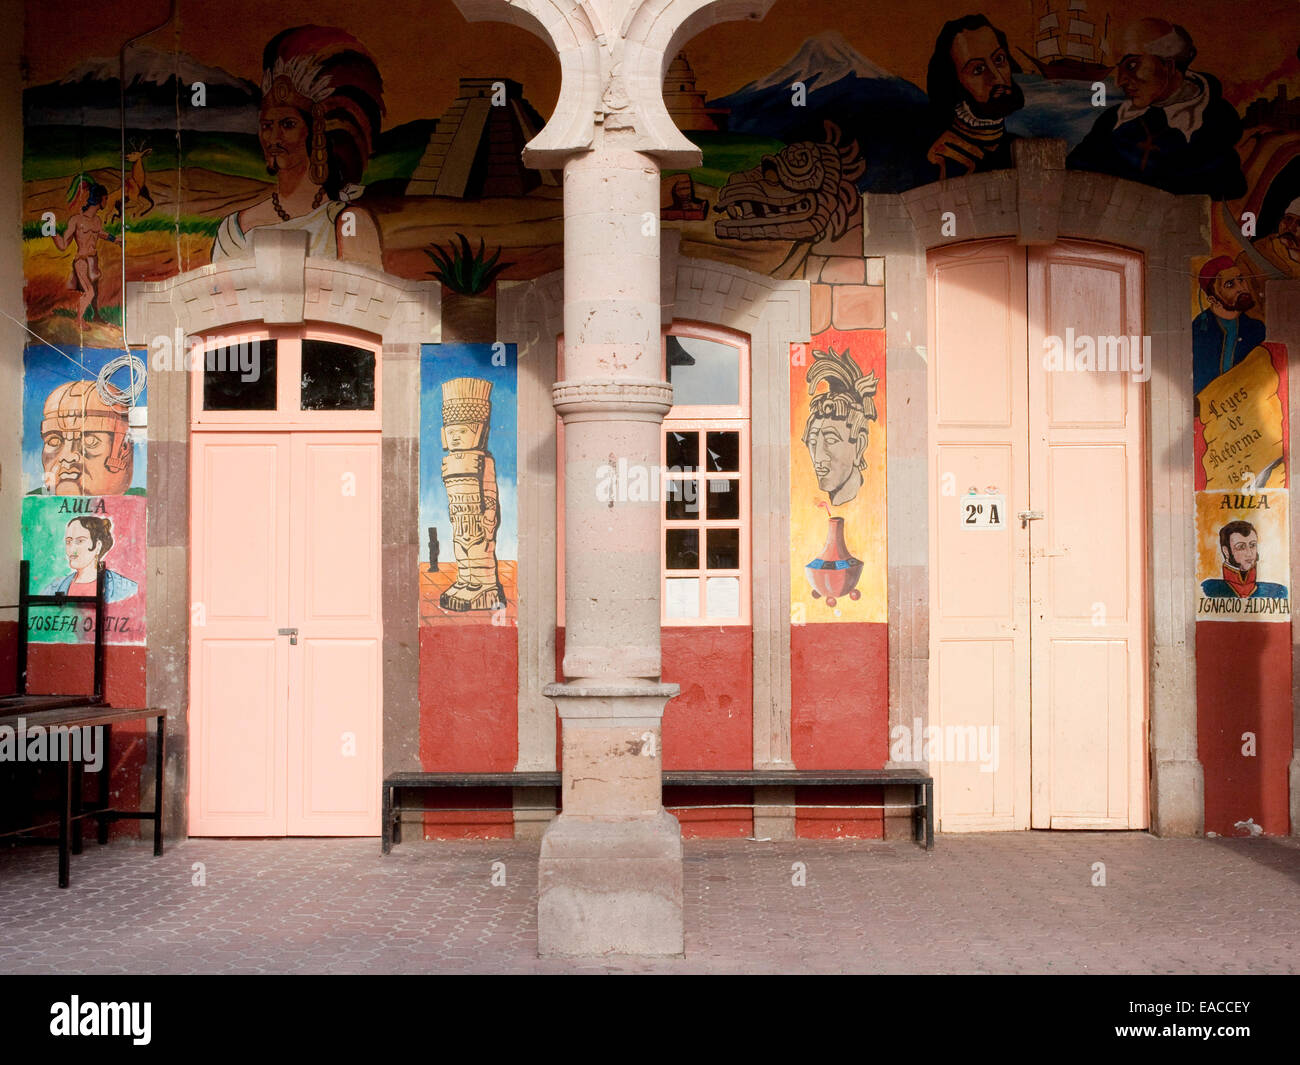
(285, 652)
(1038, 635)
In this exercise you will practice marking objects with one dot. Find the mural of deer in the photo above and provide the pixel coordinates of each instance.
(135, 191)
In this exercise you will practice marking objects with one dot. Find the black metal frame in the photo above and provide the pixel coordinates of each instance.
(72, 812)
(26, 600)
(63, 710)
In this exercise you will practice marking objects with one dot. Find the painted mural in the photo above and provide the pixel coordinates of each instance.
(837, 479)
(468, 484)
(334, 120)
(84, 473)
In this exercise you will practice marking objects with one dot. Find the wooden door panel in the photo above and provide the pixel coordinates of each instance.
(335, 695)
(1085, 298)
(1085, 559)
(1086, 555)
(239, 776)
(333, 785)
(976, 570)
(976, 687)
(977, 297)
(238, 665)
(1089, 738)
(979, 580)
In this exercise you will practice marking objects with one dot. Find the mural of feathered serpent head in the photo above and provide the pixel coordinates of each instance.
(805, 192)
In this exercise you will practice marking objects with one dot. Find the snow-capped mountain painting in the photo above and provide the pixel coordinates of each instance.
(157, 83)
(888, 115)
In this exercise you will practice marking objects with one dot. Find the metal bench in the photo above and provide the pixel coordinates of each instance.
(922, 807)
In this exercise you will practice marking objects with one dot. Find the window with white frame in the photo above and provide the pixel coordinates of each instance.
(704, 548)
(704, 459)
(280, 378)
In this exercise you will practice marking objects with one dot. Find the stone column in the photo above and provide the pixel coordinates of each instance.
(610, 874)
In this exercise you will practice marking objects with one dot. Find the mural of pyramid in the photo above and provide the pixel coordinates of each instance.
(474, 149)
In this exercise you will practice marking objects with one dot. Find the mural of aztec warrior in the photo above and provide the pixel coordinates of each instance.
(836, 430)
(470, 477)
(1240, 546)
(1174, 129)
(322, 105)
(806, 192)
(85, 447)
(972, 91)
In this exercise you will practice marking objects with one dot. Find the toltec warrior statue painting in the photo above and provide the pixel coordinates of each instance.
(470, 478)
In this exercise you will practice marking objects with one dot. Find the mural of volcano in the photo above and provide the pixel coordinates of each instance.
(886, 114)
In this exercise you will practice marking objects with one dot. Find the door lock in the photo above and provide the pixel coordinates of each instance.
(1026, 516)
(291, 633)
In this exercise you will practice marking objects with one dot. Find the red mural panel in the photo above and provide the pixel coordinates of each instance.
(839, 719)
(711, 724)
(811, 822)
(469, 721)
(1243, 681)
(839, 693)
(469, 676)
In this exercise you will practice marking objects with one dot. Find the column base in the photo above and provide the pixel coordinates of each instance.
(610, 887)
(1177, 798)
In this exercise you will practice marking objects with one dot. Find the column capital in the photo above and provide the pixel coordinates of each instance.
(613, 56)
(623, 398)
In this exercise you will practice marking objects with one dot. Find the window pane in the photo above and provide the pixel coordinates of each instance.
(723, 452)
(240, 376)
(724, 549)
(723, 597)
(683, 548)
(337, 376)
(682, 450)
(682, 599)
(681, 499)
(723, 500)
(703, 372)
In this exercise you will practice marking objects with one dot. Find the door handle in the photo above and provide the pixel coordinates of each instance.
(1026, 516)
(291, 633)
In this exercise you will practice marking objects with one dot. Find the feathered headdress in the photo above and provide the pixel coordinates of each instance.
(843, 375)
(328, 74)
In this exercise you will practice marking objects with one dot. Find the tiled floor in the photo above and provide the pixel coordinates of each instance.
(1022, 902)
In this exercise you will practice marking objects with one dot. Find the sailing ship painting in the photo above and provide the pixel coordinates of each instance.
(1067, 45)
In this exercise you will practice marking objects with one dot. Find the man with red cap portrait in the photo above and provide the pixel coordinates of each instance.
(1223, 334)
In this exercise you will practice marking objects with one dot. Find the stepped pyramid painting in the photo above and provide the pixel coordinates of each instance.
(475, 148)
(685, 103)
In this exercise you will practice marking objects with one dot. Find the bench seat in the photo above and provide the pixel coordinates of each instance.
(922, 808)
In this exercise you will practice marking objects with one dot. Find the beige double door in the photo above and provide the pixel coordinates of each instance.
(285, 652)
(1038, 642)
